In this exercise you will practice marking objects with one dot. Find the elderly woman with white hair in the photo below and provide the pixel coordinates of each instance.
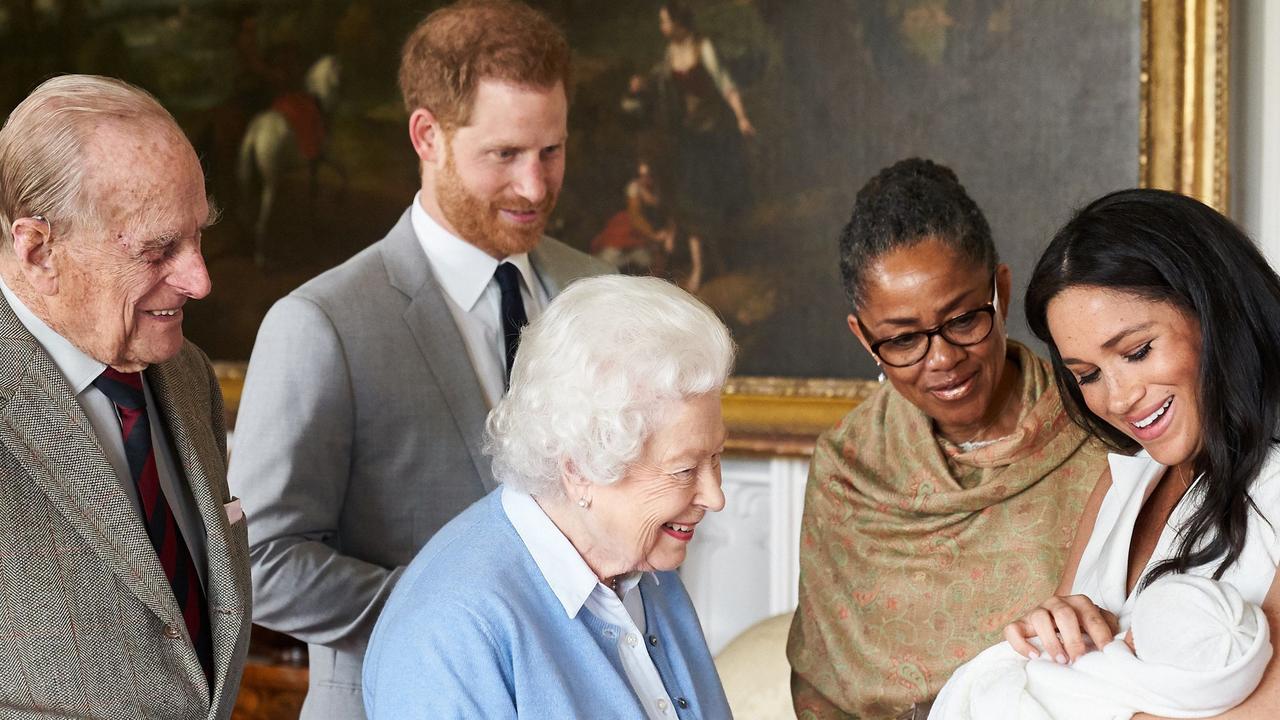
(556, 596)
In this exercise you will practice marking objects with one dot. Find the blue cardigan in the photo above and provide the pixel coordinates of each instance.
(473, 630)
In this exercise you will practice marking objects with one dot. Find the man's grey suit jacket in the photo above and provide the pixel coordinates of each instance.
(359, 436)
(89, 627)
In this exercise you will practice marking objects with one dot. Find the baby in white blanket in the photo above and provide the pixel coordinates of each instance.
(1194, 649)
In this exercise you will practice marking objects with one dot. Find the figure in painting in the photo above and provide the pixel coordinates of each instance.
(644, 239)
(291, 133)
(693, 103)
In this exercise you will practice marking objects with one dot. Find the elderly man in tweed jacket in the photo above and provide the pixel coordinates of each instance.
(124, 586)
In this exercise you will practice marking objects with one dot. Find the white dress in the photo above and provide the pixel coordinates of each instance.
(1103, 570)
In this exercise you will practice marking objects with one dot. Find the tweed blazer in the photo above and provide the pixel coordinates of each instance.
(359, 436)
(89, 627)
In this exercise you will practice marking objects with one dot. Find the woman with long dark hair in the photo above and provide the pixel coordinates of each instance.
(1162, 321)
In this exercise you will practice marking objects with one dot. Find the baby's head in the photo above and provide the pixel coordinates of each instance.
(1193, 623)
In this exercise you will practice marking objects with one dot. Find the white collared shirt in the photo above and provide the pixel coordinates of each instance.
(465, 272)
(80, 371)
(577, 587)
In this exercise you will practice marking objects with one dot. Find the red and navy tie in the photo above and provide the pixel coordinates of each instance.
(125, 390)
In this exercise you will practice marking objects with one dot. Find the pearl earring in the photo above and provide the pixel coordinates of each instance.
(584, 503)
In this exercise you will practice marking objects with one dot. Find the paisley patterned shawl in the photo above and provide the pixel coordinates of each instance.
(914, 555)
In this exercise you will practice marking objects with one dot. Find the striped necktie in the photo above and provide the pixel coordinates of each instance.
(125, 391)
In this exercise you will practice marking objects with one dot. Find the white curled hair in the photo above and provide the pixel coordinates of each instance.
(593, 375)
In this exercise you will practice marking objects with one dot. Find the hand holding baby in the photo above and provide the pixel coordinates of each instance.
(1062, 624)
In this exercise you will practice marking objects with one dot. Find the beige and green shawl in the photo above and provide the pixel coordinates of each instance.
(915, 555)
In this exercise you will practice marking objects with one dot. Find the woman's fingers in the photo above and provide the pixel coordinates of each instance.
(1016, 633)
(1062, 625)
(1101, 625)
(1089, 620)
(1044, 623)
(1067, 617)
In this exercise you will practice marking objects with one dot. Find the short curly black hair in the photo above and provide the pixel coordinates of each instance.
(909, 202)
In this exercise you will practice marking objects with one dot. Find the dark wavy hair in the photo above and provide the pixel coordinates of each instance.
(1169, 248)
(905, 204)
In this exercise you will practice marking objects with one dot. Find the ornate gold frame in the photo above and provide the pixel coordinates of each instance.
(1183, 113)
(1182, 146)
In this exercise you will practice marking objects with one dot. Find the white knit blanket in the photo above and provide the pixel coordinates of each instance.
(1228, 645)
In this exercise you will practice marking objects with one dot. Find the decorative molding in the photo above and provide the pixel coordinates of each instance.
(744, 565)
(1184, 103)
(788, 477)
(783, 416)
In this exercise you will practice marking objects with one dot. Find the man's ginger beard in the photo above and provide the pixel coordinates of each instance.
(479, 223)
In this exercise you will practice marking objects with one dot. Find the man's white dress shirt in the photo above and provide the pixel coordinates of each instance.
(465, 272)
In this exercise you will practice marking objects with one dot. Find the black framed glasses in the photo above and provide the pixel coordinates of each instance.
(964, 330)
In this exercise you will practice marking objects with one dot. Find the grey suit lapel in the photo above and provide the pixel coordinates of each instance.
(204, 466)
(438, 339)
(46, 431)
(552, 262)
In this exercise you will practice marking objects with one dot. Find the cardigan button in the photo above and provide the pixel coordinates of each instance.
(653, 640)
(682, 703)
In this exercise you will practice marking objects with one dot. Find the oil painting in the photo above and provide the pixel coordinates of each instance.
(717, 143)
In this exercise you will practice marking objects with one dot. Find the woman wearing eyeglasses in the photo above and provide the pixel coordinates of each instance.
(943, 506)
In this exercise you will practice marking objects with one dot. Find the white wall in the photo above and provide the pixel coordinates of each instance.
(1255, 121)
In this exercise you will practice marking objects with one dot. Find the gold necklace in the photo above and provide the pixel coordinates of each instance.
(1184, 473)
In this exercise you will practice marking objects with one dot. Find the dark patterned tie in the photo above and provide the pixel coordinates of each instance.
(125, 391)
(513, 317)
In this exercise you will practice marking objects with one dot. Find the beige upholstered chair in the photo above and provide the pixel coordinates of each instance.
(755, 672)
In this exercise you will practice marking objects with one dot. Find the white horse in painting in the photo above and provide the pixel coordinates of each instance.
(269, 150)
